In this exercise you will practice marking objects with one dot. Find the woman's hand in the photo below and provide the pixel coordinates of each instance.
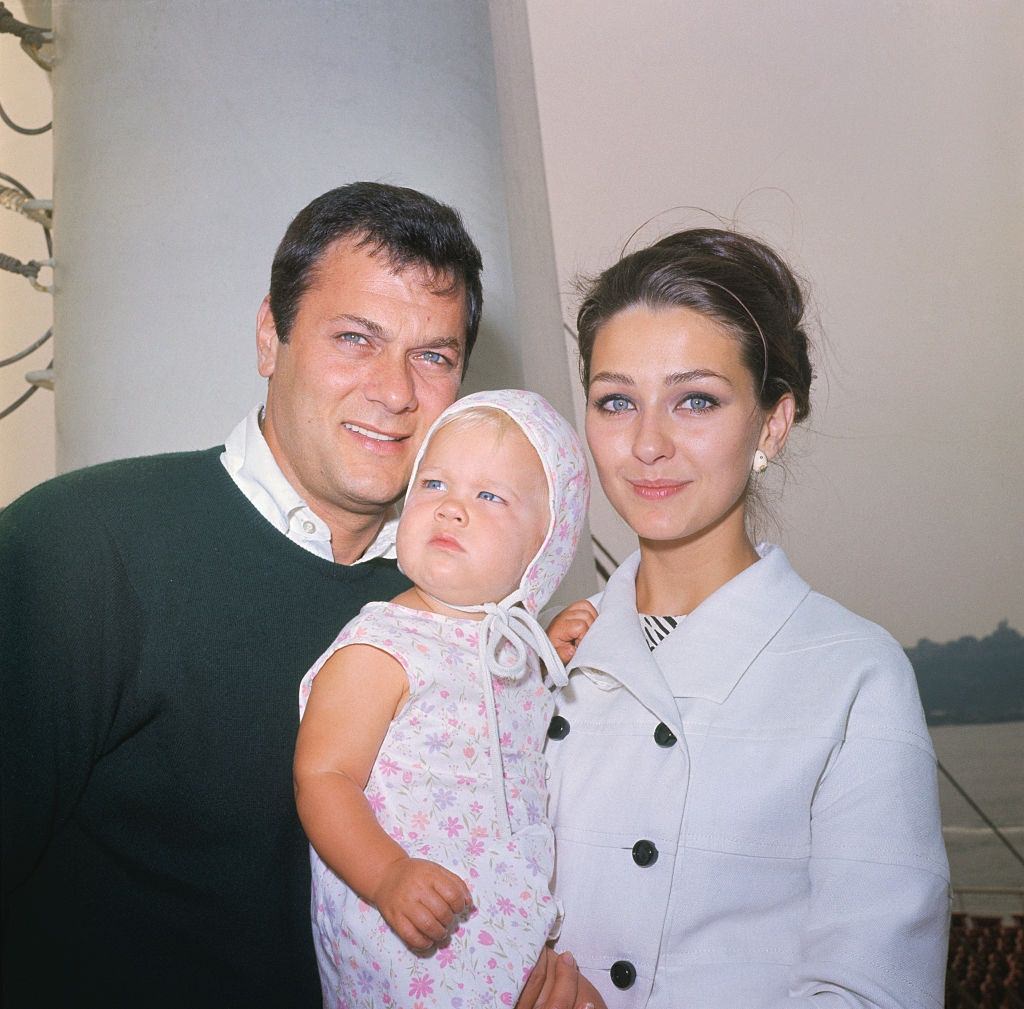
(556, 983)
(420, 900)
(566, 631)
(588, 997)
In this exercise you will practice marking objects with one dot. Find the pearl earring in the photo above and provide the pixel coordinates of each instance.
(760, 462)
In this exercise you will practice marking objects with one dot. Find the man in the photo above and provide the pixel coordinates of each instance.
(157, 614)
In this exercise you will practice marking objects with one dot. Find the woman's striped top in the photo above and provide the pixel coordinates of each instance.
(656, 629)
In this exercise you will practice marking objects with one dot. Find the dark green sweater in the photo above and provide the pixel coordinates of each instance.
(153, 632)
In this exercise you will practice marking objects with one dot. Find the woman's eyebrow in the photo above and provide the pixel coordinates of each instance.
(675, 378)
(682, 377)
(614, 377)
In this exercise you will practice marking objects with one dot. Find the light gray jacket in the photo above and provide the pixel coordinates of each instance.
(748, 817)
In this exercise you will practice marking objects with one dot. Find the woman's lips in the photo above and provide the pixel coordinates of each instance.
(656, 490)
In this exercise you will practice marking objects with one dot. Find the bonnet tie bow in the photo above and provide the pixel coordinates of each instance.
(508, 621)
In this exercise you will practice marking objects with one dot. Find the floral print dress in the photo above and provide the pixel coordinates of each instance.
(445, 791)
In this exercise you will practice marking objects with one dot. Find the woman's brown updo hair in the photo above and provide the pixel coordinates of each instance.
(731, 278)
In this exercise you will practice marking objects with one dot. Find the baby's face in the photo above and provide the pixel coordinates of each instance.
(476, 515)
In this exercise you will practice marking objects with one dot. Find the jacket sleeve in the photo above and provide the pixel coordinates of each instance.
(67, 645)
(876, 930)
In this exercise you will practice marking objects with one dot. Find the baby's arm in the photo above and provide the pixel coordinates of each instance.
(566, 631)
(354, 698)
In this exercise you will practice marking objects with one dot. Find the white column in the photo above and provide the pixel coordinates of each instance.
(189, 134)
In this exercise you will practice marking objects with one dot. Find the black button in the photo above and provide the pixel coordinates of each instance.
(663, 735)
(559, 728)
(623, 974)
(645, 853)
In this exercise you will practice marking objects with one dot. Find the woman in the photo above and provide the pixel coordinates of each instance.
(745, 805)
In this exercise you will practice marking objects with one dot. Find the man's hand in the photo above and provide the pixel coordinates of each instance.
(420, 900)
(567, 629)
(556, 983)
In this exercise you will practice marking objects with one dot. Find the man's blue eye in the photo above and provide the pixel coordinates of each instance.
(352, 337)
(434, 357)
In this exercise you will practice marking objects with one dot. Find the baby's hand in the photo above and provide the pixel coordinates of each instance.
(567, 629)
(419, 900)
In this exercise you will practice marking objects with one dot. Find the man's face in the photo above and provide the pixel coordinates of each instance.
(372, 358)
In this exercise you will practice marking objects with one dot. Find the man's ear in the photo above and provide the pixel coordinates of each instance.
(267, 343)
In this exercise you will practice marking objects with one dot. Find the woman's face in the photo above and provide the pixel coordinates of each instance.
(673, 422)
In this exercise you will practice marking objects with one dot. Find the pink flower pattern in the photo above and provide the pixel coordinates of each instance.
(432, 787)
(439, 802)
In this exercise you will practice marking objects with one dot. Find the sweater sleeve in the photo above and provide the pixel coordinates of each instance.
(67, 623)
(876, 930)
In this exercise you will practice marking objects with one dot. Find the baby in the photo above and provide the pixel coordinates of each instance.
(419, 775)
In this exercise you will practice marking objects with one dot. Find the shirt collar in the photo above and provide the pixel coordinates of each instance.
(384, 544)
(708, 653)
(614, 652)
(247, 457)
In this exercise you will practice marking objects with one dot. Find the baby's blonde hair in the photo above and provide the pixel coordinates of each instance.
(482, 416)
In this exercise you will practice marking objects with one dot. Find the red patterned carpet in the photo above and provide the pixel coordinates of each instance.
(986, 963)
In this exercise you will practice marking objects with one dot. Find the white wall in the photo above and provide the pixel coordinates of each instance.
(880, 147)
(26, 436)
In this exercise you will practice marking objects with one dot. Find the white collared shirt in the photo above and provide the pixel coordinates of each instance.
(251, 464)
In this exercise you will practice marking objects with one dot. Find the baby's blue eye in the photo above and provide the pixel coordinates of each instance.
(433, 485)
(490, 496)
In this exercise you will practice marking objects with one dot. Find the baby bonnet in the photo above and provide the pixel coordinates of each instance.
(565, 469)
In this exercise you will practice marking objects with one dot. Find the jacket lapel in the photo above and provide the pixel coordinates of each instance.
(614, 651)
(711, 649)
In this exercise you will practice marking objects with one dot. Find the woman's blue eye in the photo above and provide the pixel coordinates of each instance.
(700, 404)
(490, 496)
(615, 404)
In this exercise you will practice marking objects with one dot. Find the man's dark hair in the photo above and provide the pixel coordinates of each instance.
(406, 227)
